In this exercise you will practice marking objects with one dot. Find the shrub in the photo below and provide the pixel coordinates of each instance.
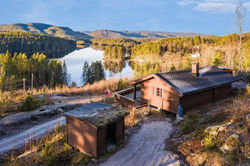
(29, 104)
(190, 124)
(209, 142)
(122, 84)
(49, 154)
(186, 126)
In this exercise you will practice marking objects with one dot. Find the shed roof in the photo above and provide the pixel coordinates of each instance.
(184, 82)
(98, 114)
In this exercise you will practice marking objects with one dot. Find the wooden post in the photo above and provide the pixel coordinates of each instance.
(134, 91)
(24, 88)
(32, 80)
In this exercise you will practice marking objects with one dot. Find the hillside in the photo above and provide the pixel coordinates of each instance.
(57, 31)
(136, 34)
(68, 33)
(29, 43)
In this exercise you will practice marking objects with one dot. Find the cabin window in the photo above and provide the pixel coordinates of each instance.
(159, 92)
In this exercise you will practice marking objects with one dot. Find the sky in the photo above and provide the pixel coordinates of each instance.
(215, 17)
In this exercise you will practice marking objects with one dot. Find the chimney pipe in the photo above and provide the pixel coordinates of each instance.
(195, 68)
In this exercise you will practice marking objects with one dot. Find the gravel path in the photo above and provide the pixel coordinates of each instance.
(20, 126)
(145, 148)
(18, 140)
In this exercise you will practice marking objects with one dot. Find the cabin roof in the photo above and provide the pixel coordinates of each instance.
(98, 114)
(184, 82)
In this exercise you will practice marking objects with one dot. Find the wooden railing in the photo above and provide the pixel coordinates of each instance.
(124, 100)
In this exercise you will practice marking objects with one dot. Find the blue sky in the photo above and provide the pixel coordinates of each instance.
(200, 16)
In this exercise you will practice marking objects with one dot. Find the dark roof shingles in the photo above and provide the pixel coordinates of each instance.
(185, 82)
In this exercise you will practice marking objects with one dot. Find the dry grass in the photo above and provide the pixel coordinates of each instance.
(10, 100)
(49, 150)
(95, 88)
(231, 113)
(133, 118)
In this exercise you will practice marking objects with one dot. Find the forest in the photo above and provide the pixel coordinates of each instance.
(224, 51)
(18, 70)
(176, 52)
(29, 43)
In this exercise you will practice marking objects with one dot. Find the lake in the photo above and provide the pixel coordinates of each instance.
(76, 59)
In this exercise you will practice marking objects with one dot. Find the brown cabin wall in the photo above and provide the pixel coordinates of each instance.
(205, 97)
(119, 131)
(101, 140)
(196, 99)
(169, 100)
(82, 135)
(222, 92)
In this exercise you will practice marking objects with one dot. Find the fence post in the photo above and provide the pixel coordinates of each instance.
(32, 79)
(24, 88)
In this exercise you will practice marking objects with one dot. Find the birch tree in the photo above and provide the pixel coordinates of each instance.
(240, 14)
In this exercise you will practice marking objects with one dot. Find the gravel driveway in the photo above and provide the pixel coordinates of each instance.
(145, 148)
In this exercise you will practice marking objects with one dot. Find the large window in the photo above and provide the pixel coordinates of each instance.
(159, 92)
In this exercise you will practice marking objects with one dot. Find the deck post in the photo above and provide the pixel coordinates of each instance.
(134, 91)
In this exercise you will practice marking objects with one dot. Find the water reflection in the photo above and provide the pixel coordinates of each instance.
(144, 68)
(115, 67)
(76, 59)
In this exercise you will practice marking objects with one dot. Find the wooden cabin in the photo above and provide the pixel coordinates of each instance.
(187, 88)
(93, 127)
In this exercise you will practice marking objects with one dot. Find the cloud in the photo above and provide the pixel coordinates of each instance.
(216, 6)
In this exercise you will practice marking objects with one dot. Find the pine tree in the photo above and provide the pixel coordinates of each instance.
(65, 77)
(85, 73)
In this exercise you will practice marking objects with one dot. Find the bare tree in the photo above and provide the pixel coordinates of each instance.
(240, 13)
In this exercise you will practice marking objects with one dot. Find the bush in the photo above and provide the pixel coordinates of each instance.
(49, 154)
(209, 142)
(190, 124)
(29, 104)
(122, 84)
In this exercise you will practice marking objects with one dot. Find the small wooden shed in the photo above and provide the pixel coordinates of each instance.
(93, 127)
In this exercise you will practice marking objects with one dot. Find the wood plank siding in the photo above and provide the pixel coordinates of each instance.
(82, 135)
(166, 97)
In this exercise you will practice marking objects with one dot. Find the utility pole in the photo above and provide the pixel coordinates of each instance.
(24, 88)
(32, 81)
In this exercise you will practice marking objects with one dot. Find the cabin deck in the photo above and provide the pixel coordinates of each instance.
(126, 98)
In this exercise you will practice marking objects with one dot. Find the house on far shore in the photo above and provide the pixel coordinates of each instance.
(184, 89)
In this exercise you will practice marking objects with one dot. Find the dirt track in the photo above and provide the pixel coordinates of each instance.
(25, 130)
(145, 148)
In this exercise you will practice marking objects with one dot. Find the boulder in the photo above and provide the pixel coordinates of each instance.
(214, 130)
(206, 159)
(230, 144)
(248, 118)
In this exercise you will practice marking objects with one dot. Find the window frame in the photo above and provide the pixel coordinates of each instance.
(158, 92)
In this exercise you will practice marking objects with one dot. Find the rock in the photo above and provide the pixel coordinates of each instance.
(214, 130)
(206, 159)
(146, 113)
(248, 118)
(93, 160)
(230, 144)
(168, 120)
(59, 110)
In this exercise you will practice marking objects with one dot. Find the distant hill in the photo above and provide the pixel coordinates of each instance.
(136, 34)
(68, 33)
(30, 43)
(63, 32)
